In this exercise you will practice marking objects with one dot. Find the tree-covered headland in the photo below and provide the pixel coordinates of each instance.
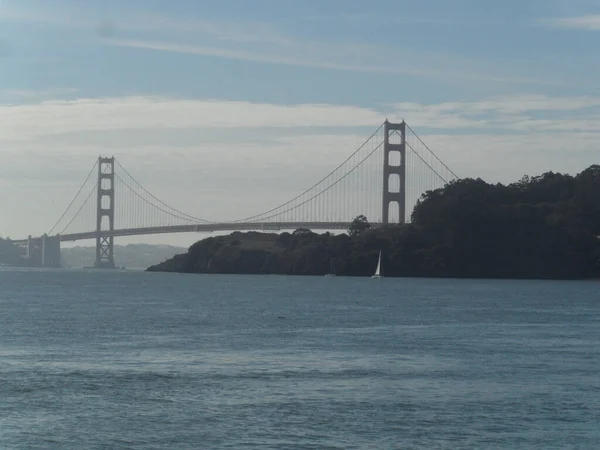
(539, 227)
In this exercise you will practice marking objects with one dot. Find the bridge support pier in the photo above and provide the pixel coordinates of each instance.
(390, 197)
(50, 251)
(105, 214)
(43, 251)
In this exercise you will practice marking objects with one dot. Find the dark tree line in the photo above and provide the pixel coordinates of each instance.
(539, 227)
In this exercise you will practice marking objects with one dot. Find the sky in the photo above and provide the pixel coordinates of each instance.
(209, 101)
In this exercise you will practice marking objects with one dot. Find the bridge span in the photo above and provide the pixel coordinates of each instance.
(199, 228)
(45, 250)
(383, 178)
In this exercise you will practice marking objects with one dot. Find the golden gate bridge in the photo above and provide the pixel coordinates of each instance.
(383, 178)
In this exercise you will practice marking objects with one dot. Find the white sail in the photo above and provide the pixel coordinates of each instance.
(378, 271)
(331, 270)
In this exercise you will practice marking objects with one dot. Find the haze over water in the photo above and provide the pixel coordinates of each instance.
(94, 359)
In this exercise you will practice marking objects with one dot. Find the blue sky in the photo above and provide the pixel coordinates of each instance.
(298, 52)
(499, 89)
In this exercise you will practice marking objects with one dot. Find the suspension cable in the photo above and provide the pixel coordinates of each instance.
(152, 204)
(75, 198)
(329, 187)
(426, 163)
(80, 208)
(247, 219)
(190, 218)
(431, 151)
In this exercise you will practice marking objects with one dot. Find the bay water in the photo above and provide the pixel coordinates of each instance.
(134, 360)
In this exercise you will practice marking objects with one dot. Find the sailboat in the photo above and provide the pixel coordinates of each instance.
(331, 270)
(377, 273)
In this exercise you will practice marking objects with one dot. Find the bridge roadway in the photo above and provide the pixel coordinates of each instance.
(203, 228)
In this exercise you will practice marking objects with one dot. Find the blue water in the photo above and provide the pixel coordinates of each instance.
(163, 361)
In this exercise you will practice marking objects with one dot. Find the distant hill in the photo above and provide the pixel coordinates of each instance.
(133, 256)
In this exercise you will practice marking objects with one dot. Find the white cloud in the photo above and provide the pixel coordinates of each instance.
(348, 57)
(588, 23)
(224, 31)
(523, 103)
(506, 157)
(523, 113)
(270, 58)
(55, 117)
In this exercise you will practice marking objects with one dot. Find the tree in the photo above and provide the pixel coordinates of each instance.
(358, 226)
(302, 232)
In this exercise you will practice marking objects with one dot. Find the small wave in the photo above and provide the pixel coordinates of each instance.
(299, 374)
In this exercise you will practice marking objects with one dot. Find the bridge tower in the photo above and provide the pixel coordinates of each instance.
(105, 214)
(398, 150)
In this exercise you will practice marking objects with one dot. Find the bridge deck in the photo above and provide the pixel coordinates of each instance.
(204, 228)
